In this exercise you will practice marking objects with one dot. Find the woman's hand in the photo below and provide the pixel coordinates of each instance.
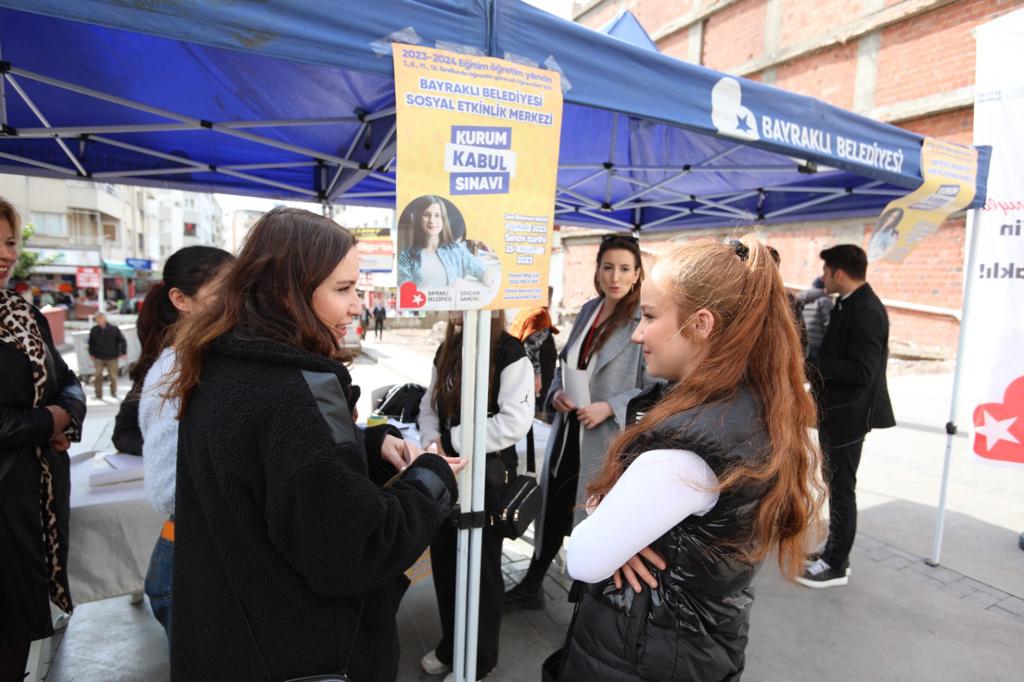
(562, 403)
(636, 570)
(594, 413)
(456, 463)
(61, 419)
(60, 443)
(399, 453)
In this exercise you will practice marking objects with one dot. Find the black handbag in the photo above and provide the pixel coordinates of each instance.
(520, 501)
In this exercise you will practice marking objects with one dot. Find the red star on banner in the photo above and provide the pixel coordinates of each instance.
(999, 427)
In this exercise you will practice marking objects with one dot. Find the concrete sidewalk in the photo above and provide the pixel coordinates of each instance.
(898, 619)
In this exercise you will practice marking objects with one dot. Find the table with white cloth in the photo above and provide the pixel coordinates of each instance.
(112, 534)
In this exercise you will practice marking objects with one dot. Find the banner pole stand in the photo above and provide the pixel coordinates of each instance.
(951, 427)
(469, 353)
(476, 534)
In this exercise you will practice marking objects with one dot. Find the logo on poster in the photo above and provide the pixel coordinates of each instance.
(999, 427)
(728, 114)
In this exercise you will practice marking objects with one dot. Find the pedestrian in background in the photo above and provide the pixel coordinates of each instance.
(816, 311)
(42, 407)
(292, 533)
(848, 379)
(612, 371)
(716, 473)
(380, 313)
(510, 417)
(106, 345)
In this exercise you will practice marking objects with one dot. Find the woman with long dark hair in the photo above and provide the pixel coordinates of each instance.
(717, 470)
(191, 280)
(293, 529)
(509, 418)
(42, 407)
(612, 369)
(437, 257)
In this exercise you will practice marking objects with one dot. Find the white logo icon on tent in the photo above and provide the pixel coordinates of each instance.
(728, 115)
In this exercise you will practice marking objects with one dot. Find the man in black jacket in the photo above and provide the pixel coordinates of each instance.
(849, 384)
(106, 345)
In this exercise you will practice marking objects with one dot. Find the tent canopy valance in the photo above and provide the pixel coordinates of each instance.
(296, 101)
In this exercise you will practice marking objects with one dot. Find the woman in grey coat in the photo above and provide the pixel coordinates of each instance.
(611, 368)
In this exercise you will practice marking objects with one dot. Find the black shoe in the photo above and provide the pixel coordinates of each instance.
(524, 596)
(820, 574)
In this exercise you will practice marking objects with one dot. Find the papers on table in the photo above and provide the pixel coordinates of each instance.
(115, 467)
(576, 384)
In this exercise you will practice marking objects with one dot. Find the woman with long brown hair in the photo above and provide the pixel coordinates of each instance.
(292, 529)
(719, 471)
(599, 354)
(509, 417)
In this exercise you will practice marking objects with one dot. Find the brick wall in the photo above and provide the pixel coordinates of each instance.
(931, 275)
(925, 56)
(733, 36)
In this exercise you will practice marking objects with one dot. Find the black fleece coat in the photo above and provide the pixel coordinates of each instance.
(24, 594)
(281, 520)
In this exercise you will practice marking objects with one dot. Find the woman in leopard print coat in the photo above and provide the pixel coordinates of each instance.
(41, 411)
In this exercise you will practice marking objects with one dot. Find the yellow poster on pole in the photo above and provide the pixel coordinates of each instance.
(949, 172)
(477, 163)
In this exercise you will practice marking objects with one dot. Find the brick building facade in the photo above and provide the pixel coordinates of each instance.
(905, 62)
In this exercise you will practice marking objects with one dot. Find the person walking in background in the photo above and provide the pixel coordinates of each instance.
(817, 308)
(364, 320)
(719, 473)
(848, 379)
(599, 360)
(42, 408)
(380, 313)
(533, 327)
(106, 345)
(510, 409)
(292, 532)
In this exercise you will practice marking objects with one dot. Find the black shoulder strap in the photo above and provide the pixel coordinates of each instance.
(531, 460)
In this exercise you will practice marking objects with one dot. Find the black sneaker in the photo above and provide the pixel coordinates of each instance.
(820, 574)
(524, 596)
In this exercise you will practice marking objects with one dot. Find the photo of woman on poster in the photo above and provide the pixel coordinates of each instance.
(434, 250)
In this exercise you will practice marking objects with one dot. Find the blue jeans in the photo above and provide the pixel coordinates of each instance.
(159, 580)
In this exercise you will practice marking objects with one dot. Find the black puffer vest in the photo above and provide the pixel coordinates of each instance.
(694, 625)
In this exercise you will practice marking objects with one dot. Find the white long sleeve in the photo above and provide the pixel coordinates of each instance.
(515, 409)
(429, 424)
(658, 490)
(158, 421)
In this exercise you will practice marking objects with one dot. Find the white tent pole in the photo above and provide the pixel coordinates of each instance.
(480, 390)
(469, 354)
(954, 403)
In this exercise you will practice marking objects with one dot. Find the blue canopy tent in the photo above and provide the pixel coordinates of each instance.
(296, 101)
(280, 100)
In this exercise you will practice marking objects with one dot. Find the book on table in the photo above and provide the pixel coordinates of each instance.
(115, 467)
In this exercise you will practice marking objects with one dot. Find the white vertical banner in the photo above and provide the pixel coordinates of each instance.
(992, 363)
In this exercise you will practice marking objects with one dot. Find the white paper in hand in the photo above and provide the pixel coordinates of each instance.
(576, 383)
